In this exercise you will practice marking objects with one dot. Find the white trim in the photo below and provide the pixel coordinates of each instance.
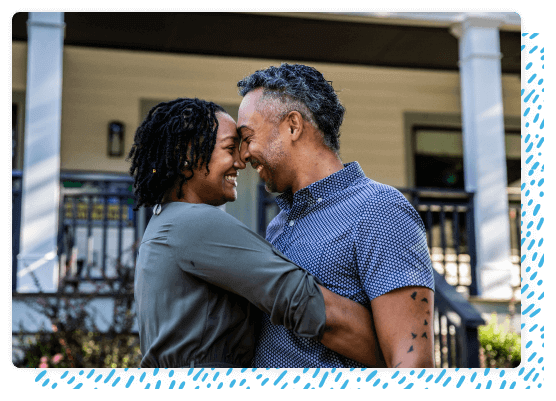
(447, 18)
(511, 20)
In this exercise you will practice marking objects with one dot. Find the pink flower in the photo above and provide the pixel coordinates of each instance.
(43, 364)
(57, 358)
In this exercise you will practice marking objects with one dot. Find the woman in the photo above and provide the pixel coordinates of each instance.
(201, 275)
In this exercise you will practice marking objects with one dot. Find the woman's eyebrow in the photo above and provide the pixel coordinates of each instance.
(231, 137)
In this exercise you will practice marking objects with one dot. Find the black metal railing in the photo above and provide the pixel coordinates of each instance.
(456, 323)
(98, 225)
(98, 228)
(16, 222)
(449, 224)
(514, 205)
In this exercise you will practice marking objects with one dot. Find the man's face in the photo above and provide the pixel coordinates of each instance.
(261, 143)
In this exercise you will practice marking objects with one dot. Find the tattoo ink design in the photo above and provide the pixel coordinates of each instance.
(414, 295)
(424, 335)
(413, 335)
(410, 349)
(398, 365)
(425, 300)
(426, 322)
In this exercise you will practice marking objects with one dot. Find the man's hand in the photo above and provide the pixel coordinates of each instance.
(404, 321)
(350, 330)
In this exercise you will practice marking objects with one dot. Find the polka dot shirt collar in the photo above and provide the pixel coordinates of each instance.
(322, 189)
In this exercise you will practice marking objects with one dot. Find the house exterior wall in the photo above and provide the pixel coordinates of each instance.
(103, 85)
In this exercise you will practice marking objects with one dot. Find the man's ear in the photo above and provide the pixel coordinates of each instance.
(294, 122)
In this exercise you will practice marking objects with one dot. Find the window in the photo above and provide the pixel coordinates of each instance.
(438, 157)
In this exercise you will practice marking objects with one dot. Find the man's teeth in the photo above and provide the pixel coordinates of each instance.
(259, 168)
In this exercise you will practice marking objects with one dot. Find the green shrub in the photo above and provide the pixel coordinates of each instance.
(73, 340)
(501, 348)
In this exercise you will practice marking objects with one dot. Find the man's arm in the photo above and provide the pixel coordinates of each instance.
(349, 330)
(404, 320)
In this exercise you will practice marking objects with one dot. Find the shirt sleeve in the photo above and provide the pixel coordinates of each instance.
(391, 245)
(214, 246)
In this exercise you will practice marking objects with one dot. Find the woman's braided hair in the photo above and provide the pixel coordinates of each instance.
(174, 136)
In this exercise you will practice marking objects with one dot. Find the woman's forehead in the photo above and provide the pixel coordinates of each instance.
(226, 128)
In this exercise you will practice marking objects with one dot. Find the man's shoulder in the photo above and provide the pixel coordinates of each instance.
(373, 193)
(377, 201)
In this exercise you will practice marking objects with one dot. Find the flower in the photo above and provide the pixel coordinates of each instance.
(43, 364)
(57, 358)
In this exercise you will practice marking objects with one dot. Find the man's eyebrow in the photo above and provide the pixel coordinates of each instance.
(242, 127)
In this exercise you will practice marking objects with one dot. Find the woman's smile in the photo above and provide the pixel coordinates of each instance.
(232, 179)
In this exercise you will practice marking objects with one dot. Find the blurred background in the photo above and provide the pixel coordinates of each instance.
(432, 108)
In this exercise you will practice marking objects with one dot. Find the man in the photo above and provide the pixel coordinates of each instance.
(361, 238)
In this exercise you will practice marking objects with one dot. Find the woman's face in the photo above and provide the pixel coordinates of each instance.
(219, 186)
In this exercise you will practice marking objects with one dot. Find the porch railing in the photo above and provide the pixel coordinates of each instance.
(16, 223)
(448, 219)
(98, 228)
(456, 322)
(98, 231)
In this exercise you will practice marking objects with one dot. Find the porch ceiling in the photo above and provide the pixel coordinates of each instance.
(273, 37)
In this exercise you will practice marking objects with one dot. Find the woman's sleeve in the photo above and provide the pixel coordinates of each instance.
(215, 247)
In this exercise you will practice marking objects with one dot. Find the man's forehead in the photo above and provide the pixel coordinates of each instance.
(249, 115)
(250, 100)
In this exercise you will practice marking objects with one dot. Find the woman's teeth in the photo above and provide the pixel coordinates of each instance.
(231, 179)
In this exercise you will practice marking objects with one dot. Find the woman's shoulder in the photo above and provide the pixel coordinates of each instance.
(199, 214)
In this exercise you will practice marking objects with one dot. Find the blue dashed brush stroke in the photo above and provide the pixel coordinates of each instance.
(530, 374)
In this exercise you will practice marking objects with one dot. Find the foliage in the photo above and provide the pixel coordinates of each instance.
(74, 340)
(501, 347)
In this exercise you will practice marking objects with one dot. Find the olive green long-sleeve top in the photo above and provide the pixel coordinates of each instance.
(200, 277)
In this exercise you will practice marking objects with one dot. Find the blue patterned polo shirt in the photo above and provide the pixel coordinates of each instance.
(361, 238)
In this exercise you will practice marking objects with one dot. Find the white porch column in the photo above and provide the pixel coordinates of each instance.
(484, 150)
(41, 165)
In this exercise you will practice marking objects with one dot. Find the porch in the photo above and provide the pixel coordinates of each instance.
(99, 232)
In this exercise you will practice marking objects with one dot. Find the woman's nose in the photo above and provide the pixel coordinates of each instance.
(239, 163)
(244, 153)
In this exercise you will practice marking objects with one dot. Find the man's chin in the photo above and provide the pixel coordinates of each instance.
(270, 188)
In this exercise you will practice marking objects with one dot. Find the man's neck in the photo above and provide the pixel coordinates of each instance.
(315, 167)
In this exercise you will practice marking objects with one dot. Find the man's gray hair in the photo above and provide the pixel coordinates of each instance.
(300, 88)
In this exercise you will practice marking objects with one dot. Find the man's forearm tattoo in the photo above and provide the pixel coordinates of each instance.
(425, 323)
